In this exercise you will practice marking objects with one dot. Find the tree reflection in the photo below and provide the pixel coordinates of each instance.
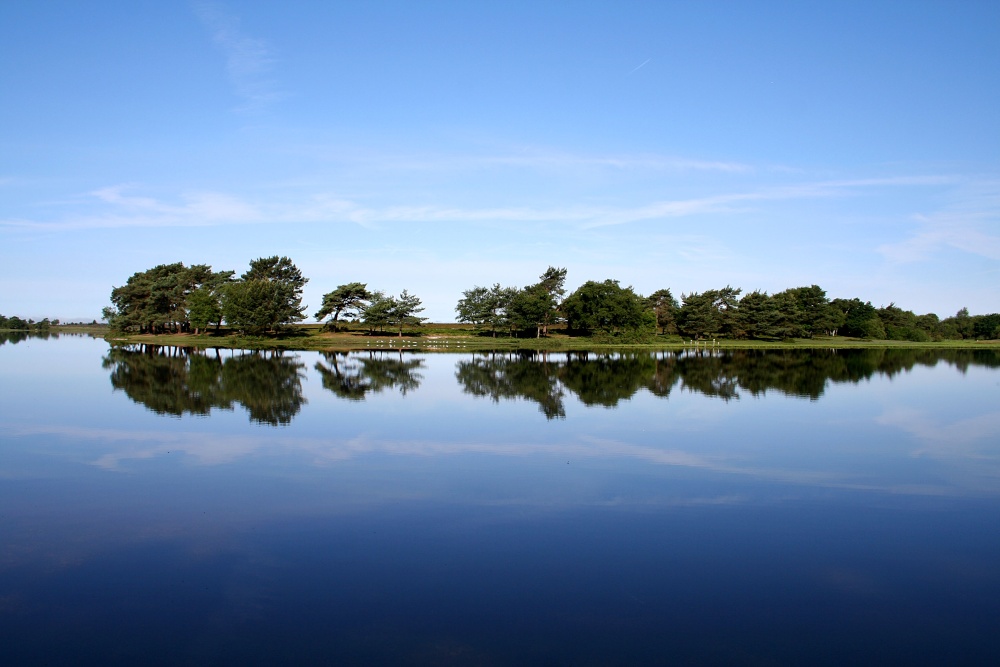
(15, 337)
(353, 376)
(520, 374)
(607, 379)
(177, 381)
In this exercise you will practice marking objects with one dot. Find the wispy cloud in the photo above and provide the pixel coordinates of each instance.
(123, 447)
(970, 225)
(640, 65)
(530, 157)
(249, 60)
(214, 208)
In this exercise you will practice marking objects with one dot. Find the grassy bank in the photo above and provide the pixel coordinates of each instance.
(460, 337)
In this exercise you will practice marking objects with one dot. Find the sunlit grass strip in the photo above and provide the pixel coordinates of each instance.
(458, 337)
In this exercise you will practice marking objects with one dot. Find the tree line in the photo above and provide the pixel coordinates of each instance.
(607, 310)
(176, 298)
(15, 323)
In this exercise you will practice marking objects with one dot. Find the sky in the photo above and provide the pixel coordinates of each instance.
(436, 146)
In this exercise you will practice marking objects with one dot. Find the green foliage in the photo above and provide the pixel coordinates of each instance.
(486, 306)
(697, 316)
(708, 313)
(385, 310)
(286, 299)
(902, 324)
(759, 317)
(255, 306)
(204, 307)
(608, 308)
(854, 313)
(872, 329)
(15, 323)
(376, 313)
(960, 326)
(987, 326)
(664, 307)
(531, 308)
(403, 311)
(156, 300)
(537, 306)
(813, 313)
(347, 300)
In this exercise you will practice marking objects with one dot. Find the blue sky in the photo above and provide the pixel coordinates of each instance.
(434, 146)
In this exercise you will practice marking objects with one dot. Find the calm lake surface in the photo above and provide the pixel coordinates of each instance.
(782, 508)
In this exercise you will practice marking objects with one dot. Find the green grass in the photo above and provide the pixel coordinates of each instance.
(452, 337)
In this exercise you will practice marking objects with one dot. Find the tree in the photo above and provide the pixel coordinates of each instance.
(787, 323)
(538, 305)
(872, 328)
(486, 306)
(204, 305)
(726, 302)
(254, 306)
(713, 311)
(553, 281)
(697, 316)
(155, 300)
(476, 306)
(987, 326)
(15, 323)
(347, 299)
(664, 307)
(531, 307)
(964, 324)
(377, 312)
(758, 316)
(403, 311)
(204, 308)
(814, 313)
(605, 307)
(854, 313)
(288, 282)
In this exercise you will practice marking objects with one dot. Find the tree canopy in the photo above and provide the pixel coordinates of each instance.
(608, 308)
(156, 300)
(347, 300)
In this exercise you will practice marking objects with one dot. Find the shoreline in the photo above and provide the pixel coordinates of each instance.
(453, 338)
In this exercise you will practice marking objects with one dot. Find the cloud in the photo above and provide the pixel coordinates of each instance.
(248, 60)
(532, 157)
(215, 208)
(969, 224)
(640, 65)
(967, 443)
(125, 446)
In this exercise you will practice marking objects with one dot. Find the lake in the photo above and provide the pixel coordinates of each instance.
(160, 506)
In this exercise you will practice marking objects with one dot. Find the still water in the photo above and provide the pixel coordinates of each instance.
(166, 508)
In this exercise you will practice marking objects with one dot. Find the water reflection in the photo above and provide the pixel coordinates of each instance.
(607, 379)
(443, 529)
(176, 381)
(354, 376)
(15, 337)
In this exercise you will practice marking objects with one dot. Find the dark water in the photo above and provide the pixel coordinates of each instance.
(827, 508)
